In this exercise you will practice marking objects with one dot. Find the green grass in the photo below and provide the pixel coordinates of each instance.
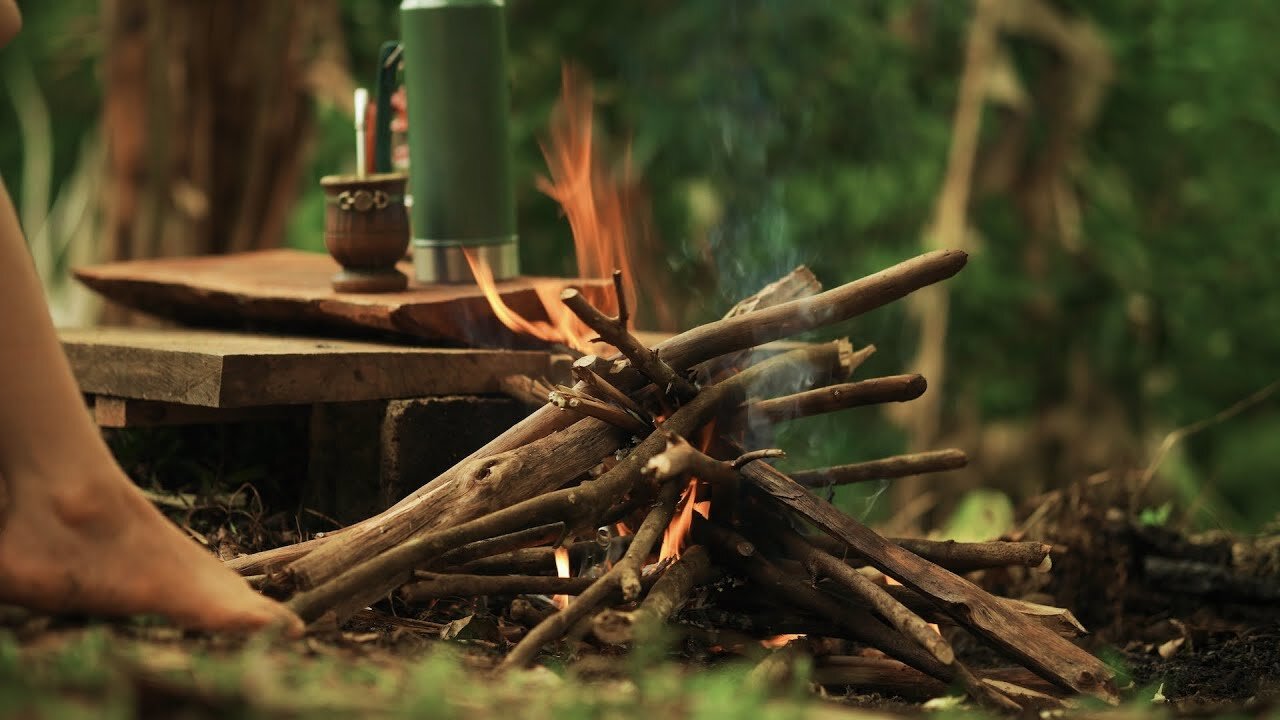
(103, 673)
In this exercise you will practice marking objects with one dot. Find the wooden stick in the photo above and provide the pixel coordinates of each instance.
(891, 467)
(1059, 620)
(614, 582)
(693, 568)
(874, 596)
(503, 544)
(797, 316)
(536, 560)
(525, 389)
(599, 387)
(680, 459)
(368, 581)
(894, 678)
(955, 556)
(432, 586)
(895, 388)
(642, 358)
(423, 509)
(619, 292)
(1035, 646)
(567, 399)
(735, 550)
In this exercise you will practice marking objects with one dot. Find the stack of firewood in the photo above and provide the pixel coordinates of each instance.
(637, 442)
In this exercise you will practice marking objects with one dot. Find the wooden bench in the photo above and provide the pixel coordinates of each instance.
(382, 419)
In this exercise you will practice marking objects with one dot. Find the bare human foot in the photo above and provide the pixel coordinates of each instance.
(93, 544)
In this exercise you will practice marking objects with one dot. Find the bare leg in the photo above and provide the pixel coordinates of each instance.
(75, 533)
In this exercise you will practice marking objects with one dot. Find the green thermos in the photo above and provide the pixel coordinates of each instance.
(455, 77)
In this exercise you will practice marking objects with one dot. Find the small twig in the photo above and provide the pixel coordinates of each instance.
(433, 586)
(737, 551)
(623, 578)
(1029, 642)
(763, 454)
(623, 314)
(1177, 436)
(680, 459)
(952, 555)
(693, 568)
(535, 560)
(643, 359)
(602, 389)
(884, 468)
(566, 399)
(851, 581)
(502, 544)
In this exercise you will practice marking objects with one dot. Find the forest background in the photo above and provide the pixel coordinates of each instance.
(1110, 166)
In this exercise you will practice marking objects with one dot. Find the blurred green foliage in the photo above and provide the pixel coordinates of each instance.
(775, 132)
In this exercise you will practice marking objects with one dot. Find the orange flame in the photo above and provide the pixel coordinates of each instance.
(600, 206)
(676, 536)
(595, 202)
(562, 569)
(564, 327)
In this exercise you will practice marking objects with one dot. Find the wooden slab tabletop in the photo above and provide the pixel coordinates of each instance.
(233, 370)
(290, 289)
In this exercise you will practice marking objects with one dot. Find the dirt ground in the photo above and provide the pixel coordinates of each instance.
(1190, 623)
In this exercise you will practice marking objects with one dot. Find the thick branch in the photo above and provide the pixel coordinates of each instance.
(890, 467)
(895, 388)
(1034, 645)
(642, 358)
(667, 595)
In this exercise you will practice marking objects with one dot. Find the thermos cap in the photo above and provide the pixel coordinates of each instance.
(422, 4)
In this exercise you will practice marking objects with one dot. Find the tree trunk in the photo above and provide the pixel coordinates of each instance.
(208, 118)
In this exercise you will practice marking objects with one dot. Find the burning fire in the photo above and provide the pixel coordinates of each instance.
(676, 536)
(562, 569)
(599, 206)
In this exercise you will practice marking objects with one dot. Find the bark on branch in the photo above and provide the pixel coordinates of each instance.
(895, 388)
(890, 467)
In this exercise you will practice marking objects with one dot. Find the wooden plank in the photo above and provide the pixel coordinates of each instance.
(289, 289)
(234, 370)
(116, 412)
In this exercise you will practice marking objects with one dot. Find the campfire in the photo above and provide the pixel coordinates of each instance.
(631, 502)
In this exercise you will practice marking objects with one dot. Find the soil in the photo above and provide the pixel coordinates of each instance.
(1198, 646)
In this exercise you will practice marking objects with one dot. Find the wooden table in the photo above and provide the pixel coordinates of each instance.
(290, 290)
(382, 418)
